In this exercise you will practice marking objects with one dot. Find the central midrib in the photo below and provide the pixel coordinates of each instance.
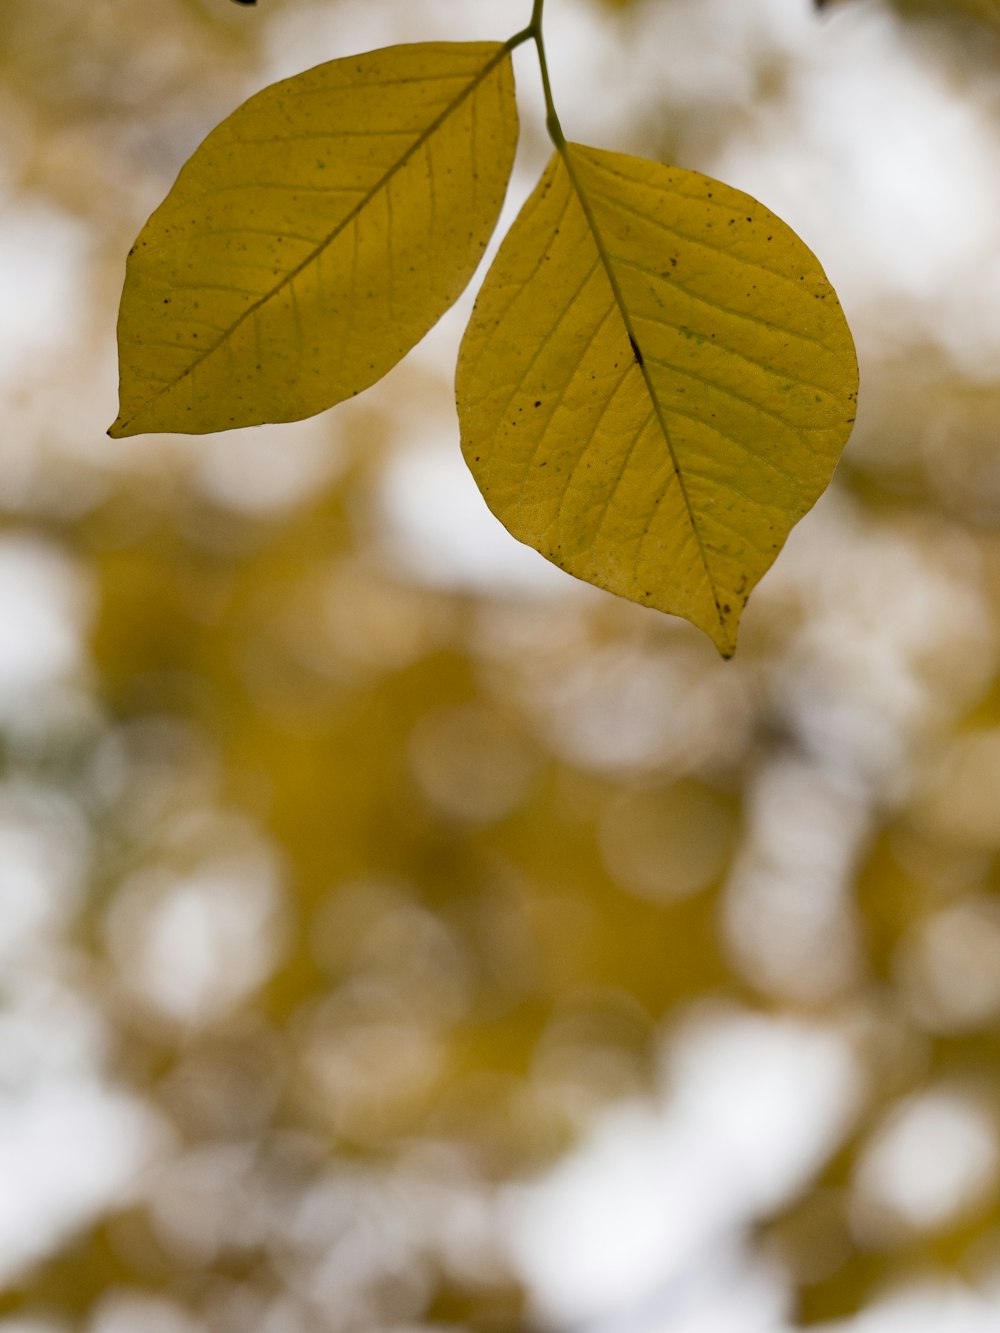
(566, 150)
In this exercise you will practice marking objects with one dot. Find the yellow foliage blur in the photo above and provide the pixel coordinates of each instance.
(397, 934)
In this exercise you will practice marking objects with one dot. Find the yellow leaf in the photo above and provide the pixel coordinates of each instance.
(656, 383)
(314, 237)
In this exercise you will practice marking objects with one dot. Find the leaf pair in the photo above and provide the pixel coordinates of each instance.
(656, 381)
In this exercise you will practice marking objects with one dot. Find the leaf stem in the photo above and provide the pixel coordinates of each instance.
(533, 33)
(551, 118)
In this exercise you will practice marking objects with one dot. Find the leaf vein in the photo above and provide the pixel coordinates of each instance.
(670, 281)
(739, 356)
(561, 395)
(242, 230)
(616, 202)
(728, 392)
(620, 477)
(593, 435)
(742, 445)
(533, 361)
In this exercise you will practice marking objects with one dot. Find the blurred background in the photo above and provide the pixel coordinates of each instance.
(397, 934)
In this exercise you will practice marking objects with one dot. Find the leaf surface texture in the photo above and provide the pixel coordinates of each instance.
(314, 237)
(656, 383)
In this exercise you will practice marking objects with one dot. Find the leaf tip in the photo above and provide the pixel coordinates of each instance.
(723, 634)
